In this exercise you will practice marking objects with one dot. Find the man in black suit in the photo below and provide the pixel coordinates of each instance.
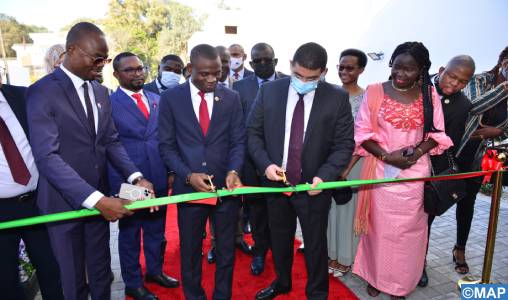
(18, 183)
(237, 68)
(169, 73)
(263, 63)
(301, 126)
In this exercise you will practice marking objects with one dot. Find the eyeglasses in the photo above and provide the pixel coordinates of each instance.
(347, 68)
(99, 60)
(263, 60)
(134, 71)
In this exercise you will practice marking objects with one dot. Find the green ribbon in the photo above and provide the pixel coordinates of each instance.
(76, 214)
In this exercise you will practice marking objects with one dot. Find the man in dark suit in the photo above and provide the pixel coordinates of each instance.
(135, 112)
(169, 73)
(237, 68)
(301, 126)
(202, 138)
(73, 136)
(18, 183)
(263, 63)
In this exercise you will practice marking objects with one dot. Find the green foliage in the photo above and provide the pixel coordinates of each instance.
(149, 28)
(14, 32)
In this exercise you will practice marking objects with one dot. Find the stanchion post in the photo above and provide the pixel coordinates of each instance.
(492, 229)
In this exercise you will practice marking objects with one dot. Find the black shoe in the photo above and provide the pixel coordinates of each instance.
(247, 228)
(162, 280)
(258, 265)
(268, 293)
(424, 280)
(244, 247)
(141, 293)
(211, 255)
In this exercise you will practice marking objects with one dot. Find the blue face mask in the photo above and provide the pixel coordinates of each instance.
(303, 87)
(170, 79)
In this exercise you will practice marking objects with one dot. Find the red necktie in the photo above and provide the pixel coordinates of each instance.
(19, 171)
(141, 104)
(204, 117)
(236, 75)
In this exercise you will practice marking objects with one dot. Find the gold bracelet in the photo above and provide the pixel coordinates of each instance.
(419, 149)
(382, 157)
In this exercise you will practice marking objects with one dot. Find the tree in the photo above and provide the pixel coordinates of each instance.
(14, 32)
(149, 28)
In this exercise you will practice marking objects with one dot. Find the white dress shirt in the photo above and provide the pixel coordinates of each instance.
(240, 74)
(91, 200)
(196, 100)
(143, 97)
(293, 97)
(8, 187)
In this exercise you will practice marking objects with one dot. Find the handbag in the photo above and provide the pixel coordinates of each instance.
(440, 195)
(342, 196)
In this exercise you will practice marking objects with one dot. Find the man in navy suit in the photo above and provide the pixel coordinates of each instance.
(73, 136)
(263, 63)
(169, 73)
(135, 112)
(202, 138)
(301, 126)
(237, 67)
(18, 183)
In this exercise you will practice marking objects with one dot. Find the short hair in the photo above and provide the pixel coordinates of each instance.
(203, 51)
(119, 57)
(221, 49)
(79, 31)
(171, 57)
(311, 56)
(237, 45)
(52, 56)
(261, 47)
(463, 61)
(359, 54)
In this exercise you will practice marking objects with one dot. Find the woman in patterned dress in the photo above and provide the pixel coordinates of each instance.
(399, 124)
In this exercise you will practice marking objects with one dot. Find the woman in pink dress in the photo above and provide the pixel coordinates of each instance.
(399, 124)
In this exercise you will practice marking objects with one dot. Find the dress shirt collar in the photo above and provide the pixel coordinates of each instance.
(76, 81)
(194, 90)
(240, 73)
(130, 93)
(271, 78)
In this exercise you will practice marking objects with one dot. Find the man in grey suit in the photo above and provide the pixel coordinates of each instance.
(303, 127)
(263, 63)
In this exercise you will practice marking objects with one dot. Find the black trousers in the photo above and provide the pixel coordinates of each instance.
(313, 215)
(191, 222)
(464, 211)
(39, 250)
(258, 215)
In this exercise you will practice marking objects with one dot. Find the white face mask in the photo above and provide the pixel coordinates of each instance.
(170, 79)
(235, 63)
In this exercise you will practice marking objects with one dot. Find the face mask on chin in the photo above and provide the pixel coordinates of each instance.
(235, 63)
(303, 87)
(170, 79)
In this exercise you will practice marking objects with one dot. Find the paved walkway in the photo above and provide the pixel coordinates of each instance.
(442, 277)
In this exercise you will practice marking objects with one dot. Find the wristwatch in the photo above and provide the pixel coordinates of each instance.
(137, 179)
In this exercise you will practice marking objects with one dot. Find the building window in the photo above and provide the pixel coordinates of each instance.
(230, 29)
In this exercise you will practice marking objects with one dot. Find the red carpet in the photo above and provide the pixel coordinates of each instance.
(245, 285)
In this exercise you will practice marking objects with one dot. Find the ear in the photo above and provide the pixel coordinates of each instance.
(115, 73)
(325, 71)
(441, 70)
(251, 64)
(189, 68)
(244, 57)
(275, 61)
(361, 71)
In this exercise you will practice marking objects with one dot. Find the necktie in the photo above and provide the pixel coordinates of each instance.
(18, 168)
(236, 75)
(294, 162)
(89, 110)
(141, 104)
(204, 117)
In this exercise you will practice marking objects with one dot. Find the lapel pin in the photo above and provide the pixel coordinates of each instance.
(447, 101)
(216, 98)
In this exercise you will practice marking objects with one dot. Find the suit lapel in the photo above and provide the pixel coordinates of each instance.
(100, 98)
(281, 98)
(129, 105)
(314, 114)
(17, 105)
(217, 107)
(154, 111)
(72, 96)
(188, 109)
